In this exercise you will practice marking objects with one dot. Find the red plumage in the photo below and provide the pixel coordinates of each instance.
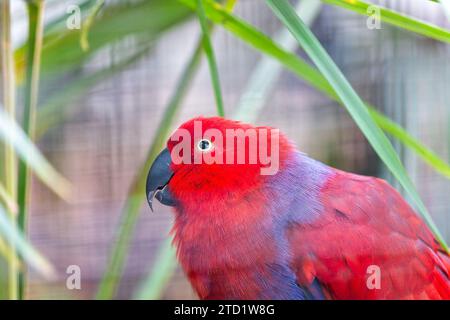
(310, 231)
(367, 222)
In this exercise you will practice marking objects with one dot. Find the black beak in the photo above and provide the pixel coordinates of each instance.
(158, 178)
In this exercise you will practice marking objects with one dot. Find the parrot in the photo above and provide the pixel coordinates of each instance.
(305, 231)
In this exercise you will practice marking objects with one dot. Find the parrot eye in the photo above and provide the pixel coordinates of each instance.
(204, 145)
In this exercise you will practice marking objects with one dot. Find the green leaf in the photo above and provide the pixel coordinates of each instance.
(211, 58)
(11, 132)
(352, 102)
(396, 19)
(35, 34)
(9, 231)
(87, 24)
(9, 265)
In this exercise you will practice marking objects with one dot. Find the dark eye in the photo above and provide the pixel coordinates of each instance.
(204, 145)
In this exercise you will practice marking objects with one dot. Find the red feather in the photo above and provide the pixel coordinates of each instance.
(366, 222)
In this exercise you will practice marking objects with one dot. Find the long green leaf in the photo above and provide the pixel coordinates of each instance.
(84, 42)
(10, 131)
(395, 19)
(310, 75)
(8, 266)
(35, 33)
(9, 231)
(352, 102)
(211, 58)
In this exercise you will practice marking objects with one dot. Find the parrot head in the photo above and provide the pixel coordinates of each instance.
(210, 159)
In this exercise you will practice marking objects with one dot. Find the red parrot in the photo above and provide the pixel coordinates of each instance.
(307, 231)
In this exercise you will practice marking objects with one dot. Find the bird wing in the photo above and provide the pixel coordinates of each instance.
(365, 225)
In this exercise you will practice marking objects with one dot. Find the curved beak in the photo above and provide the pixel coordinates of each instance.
(158, 178)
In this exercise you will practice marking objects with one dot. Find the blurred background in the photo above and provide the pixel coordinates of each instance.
(100, 110)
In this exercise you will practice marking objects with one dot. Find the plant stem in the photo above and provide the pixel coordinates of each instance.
(207, 46)
(10, 161)
(35, 34)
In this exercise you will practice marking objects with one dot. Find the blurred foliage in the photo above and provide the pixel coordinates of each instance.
(207, 46)
(62, 50)
(394, 18)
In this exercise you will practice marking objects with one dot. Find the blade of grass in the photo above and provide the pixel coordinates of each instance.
(396, 19)
(207, 46)
(10, 231)
(310, 75)
(84, 43)
(35, 33)
(352, 102)
(10, 160)
(11, 131)
(130, 213)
